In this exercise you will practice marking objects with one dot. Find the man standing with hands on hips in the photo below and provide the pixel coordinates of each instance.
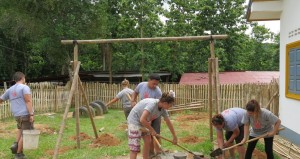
(19, 96)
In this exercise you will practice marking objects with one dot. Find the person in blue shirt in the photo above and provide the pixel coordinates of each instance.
(19, 96)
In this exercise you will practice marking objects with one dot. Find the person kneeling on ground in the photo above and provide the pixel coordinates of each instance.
(141, 117)
(230, 121)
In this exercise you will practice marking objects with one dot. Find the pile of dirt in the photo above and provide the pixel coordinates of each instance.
(191, 139)
(105, 140)
(83, 136)
(61, 150)
(44, 129)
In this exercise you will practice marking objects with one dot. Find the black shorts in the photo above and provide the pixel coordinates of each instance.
(156, 124)
(239, 138)
(23, 122)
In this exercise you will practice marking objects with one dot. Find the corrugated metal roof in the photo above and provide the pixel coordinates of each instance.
(230, 77)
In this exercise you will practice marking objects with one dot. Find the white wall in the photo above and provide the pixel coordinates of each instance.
(289, 108)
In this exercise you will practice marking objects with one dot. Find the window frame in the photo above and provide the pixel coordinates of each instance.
(289, 47)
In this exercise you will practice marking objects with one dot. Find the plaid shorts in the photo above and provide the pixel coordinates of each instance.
(134, 137)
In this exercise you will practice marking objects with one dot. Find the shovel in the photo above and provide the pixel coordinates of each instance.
(219, 151)
(146, 130)
(189, 151)
(159, 145)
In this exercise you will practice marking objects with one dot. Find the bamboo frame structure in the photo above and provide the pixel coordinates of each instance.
(213, 78)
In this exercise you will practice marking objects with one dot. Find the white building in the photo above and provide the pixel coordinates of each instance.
(288, 12)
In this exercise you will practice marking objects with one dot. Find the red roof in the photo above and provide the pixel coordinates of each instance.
(230, 77)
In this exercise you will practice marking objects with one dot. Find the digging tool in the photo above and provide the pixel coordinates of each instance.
(219, 151)
(146, 130)
(177, 145)
(154, 138)
(159, 145)
(128, 96)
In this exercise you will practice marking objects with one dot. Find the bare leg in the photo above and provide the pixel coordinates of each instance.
(20, 141)
(133, 155)
(146, 149)
(231, 151)
(241, 150)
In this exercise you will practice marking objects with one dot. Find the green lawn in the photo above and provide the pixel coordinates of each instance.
(113, 123)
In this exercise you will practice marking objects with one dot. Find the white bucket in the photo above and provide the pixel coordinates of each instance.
(31, 139)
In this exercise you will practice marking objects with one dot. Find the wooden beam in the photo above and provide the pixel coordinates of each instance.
(155, 39)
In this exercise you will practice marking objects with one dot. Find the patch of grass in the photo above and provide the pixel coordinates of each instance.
(113, 123)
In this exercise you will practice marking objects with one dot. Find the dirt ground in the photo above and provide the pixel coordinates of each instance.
(61, 150)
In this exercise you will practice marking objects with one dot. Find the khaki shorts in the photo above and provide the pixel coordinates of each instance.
(23, 122)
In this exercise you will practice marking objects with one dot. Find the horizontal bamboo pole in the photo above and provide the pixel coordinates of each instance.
(155, 39)
(187, 108)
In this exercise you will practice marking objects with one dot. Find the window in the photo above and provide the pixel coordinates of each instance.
(292, 85)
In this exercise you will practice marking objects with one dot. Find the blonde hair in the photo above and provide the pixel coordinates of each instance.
(125, 82)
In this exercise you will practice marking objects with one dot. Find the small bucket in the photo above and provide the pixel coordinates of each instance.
(31, 139)
(179, 155)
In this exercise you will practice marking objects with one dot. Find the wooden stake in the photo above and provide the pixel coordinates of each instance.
(63, 124)
(88, 107)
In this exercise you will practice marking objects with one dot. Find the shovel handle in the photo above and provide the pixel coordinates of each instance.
(262, 136)
(128, 96)
(176, 144)
(156, 141)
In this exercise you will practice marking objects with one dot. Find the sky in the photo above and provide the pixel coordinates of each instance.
(273, 25)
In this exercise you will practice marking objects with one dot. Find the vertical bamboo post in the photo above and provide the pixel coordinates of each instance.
(217, 85)
(63, 124)
(5, 86)
(110, 62)
(76, 96)
(210, 93)
(88, 108)
(75, 55)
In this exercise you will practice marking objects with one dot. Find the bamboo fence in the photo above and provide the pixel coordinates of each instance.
(48, 98)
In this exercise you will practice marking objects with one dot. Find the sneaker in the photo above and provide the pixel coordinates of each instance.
(14, 148)
(20, 156)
